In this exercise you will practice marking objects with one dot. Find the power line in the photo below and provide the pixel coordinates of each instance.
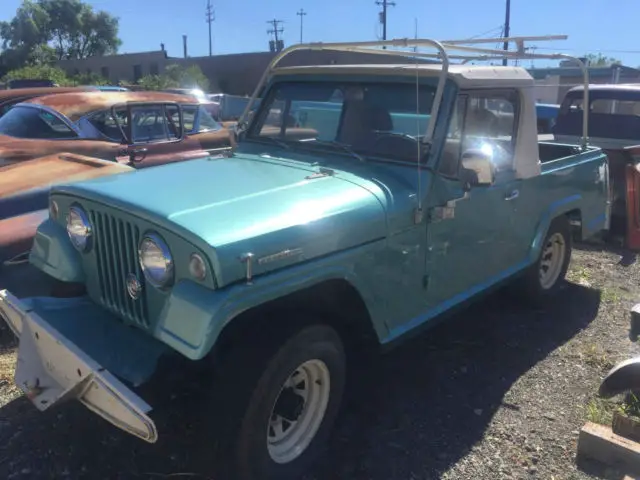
(210, 17)
(383, 15)
(301, 13)
(276, 45)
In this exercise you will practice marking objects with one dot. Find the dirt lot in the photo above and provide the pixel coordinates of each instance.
(499, 391)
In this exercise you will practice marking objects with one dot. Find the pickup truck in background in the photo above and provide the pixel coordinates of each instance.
(614, 125)
(546, 114)
(363, 202)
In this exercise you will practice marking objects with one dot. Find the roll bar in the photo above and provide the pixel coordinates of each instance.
(442, 48)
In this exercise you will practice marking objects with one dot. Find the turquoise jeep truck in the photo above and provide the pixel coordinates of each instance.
(362, 203)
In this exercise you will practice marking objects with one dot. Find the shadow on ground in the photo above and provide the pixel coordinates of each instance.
(419, 410)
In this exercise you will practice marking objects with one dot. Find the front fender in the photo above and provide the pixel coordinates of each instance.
(194, 316)
(53, 253)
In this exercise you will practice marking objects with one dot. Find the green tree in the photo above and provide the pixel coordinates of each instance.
(41, 72)
(45, 30)
(77, 31)
(600, 60)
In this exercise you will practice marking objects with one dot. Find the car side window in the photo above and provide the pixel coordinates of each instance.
(107, 125)
(150, 123)
(490, 123)
(34, 122)
(484, 120)
(452, 148)
(197, 119)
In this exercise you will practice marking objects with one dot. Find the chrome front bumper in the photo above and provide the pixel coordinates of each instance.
(51, 369)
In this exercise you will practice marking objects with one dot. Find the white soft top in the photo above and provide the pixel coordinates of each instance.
(466, 76)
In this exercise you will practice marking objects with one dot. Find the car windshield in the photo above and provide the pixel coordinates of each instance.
(377, 119)
(34, 122)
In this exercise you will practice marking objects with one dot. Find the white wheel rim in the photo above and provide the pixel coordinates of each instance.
(295, 420)
(552, 260)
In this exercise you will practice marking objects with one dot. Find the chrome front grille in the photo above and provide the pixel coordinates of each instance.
(116, 251)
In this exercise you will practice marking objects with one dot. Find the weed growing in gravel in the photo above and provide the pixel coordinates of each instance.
(609, 295)
(600, 411)
(581, 276)
(594, 356)
(631, 406)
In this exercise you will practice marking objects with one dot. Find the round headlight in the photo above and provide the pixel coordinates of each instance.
(53, 210)
(79, 228)
(155, 260)
(197, 267)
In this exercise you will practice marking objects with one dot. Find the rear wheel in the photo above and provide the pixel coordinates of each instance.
(280, 402)
(545, 277)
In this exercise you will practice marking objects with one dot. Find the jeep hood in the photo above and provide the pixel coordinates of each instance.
(249, 204)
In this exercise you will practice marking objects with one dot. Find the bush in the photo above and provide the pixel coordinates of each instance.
(39, 72)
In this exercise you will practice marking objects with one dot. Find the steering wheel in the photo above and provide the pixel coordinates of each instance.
(392, 142)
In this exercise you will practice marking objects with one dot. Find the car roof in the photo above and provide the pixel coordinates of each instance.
(76, 105)
(463, 75)
(628, 87)
(38, 91)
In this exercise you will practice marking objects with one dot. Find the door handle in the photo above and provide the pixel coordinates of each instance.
(512, 196)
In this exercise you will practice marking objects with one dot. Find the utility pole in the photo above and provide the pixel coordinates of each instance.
(507, 27)
(383, 15)
(210, 17)
(301, 13)
(276, 45)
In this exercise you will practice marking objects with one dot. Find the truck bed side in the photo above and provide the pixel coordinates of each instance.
(576, 185)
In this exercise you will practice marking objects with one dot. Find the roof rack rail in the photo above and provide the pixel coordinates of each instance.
(442, 48)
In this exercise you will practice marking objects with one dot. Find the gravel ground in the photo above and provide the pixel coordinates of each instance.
(498, 391)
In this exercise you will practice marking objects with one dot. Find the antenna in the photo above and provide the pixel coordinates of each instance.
(301, 13)
(210, 17)
(276, 45)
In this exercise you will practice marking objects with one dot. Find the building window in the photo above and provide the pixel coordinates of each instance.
(137, 72)
(153, 69)
(104, 71)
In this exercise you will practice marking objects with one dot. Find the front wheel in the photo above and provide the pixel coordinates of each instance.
(545, 277)
(281, 403)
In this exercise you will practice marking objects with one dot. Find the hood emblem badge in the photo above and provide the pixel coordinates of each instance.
(280, 255)
(134, 286)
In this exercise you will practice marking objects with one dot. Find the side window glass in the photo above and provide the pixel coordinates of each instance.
(107, 126)
(151, 124)
(490, 123)
(206, 122)
(188, 116)
(452, 148)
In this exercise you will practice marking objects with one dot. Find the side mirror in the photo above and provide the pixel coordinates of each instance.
(477, 168)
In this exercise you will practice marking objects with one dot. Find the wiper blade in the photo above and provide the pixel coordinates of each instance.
(340, 145)
(277, 141)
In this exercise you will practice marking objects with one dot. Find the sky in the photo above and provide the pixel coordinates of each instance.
(606, 26)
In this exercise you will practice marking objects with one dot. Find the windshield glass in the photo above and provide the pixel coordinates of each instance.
(372, 119)
(30, 122)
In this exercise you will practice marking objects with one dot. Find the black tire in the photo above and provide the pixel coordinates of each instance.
(247, 391)
(531, 284)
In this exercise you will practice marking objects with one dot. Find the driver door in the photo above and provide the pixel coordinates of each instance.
(469, 241)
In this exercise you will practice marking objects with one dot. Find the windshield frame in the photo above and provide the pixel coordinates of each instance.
(321, 147)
